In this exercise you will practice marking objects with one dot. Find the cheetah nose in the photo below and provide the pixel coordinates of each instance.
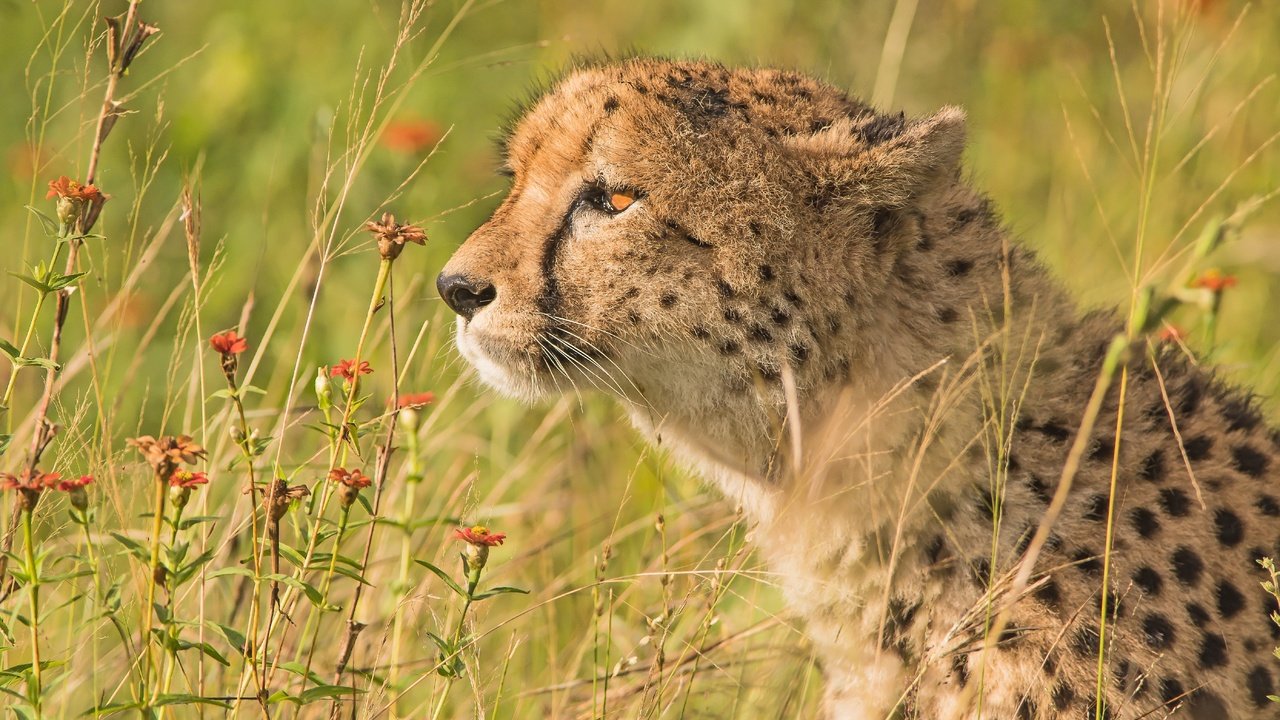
(465, 295)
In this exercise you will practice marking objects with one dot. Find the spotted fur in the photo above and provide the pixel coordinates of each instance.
(810, 305)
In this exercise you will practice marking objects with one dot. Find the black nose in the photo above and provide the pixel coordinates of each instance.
(464, 294)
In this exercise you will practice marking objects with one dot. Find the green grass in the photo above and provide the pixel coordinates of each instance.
(270, 108)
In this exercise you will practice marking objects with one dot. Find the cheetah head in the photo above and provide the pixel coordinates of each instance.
(669, 220)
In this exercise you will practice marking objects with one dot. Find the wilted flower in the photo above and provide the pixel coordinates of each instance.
(350, 483)
(285, 495)
(124, 43)
(29, 486)
(392, 235)
(347, 369)
(78, 204)
(410, 136)
(1214, 281)
(166, 453)
(478, 539)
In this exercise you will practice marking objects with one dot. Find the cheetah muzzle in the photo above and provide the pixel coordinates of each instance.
(806, 301)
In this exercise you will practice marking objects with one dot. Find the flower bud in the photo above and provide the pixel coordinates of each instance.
(79, 498)
(476, 554)
(409, 418)
(179, 496)
(324, 391)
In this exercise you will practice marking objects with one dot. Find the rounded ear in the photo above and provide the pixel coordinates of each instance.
(884, 161)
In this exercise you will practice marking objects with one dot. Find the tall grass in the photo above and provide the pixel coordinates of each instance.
(248, 152)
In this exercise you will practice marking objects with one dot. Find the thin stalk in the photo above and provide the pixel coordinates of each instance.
(337, 453)
(313, 619)
(157, 527)
(33, 580)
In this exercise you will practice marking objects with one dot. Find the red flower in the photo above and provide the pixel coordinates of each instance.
(416, 400)
(352, 479)
(229, 343)
(1214, 281)
(410, 136)
(479, 535)
(348, 369)
(187, 479)
(28, 482)
(65, 187)
(349, 484)
(73, 485)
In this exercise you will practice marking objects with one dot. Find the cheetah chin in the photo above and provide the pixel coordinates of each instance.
(806, 301)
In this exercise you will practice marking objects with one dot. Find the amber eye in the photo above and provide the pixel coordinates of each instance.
(619, 201)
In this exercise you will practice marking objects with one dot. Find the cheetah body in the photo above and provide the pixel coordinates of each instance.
(807, 303)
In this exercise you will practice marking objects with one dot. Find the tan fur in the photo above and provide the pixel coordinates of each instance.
(790, 242)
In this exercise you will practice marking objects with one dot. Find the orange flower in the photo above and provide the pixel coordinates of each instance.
(410, 136)
(416, 400)
(29, 482)
(229, 343)
(1214, 280)
(479, 535)
(348, 369)
(66, 188)
(353, 478)
(76, 493)
(71, 485)
(350, 483)
(187, 479)
(29, 486)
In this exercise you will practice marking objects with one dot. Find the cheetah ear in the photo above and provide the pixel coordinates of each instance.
(885, 163)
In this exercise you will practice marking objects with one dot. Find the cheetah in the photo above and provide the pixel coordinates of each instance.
(805, 301)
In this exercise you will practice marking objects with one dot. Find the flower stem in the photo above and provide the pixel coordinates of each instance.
(337, 453)
(33, 580)
(157, 527)
(313, 619)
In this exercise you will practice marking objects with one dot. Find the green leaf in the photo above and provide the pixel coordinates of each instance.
(39, 286)
(49, 224)
(327, 691)
(112, 708)
(312, 593)
(4, 440)
(183, 699)
(300, 670)
(252, 390)
(501, 590)
(233, 637)
(133, 546)
(443, 576)
(57, 282)
(196, 520)
(9, 349)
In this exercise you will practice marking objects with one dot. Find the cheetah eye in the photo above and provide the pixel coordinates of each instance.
(619, 201)
(608, 200)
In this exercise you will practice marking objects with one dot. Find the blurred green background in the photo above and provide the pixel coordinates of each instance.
(258, 97)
